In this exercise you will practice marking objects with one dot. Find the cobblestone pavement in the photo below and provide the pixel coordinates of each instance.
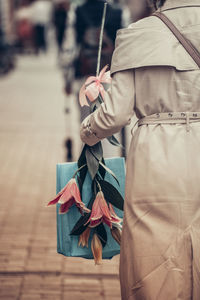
(32, 132)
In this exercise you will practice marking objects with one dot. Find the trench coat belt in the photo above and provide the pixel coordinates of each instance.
(171, 118)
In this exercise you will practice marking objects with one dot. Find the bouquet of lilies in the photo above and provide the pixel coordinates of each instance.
(100, 209)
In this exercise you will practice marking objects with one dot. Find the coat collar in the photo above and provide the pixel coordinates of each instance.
(148, 42)
(172, 4)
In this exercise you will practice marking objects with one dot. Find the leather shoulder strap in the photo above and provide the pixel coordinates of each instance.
(186, 44)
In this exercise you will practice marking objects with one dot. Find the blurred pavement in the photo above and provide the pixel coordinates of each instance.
(32, 133)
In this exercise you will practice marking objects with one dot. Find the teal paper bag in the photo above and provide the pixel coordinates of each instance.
(68, 245)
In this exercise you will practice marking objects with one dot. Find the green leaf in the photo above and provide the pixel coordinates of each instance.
(109, 171)
(102, 170)
(79, 182)
(92, 163)
(93, 154)
(97, 150)
(111, 194)
(112, 139)
(100, 99)
(93, 107)
(94, 187)
(82, 159)
(83, 171)
(102, 234)
(80, 226)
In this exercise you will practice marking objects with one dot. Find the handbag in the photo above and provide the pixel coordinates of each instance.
(67, 244)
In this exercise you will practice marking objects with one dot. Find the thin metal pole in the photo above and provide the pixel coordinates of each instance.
(101, 38)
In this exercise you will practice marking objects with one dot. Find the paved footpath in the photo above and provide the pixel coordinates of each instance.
(32, 132)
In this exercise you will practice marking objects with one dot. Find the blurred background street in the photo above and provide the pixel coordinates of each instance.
(32, 132)
(39, 127)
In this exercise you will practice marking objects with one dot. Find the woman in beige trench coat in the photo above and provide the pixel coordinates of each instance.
(153, 74)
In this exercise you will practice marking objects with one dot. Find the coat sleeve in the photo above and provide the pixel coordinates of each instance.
(114, 113)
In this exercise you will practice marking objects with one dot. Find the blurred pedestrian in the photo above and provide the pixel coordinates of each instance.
(61, 8)
(87, 27)
(41, 17)
(154, 77)
(24, 28)
(7, 55)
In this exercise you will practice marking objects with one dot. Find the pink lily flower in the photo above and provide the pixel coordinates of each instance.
(101, 213)
(115, 219)
(93, 87)
(68, 196)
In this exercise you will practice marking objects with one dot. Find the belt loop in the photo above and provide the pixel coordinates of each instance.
(187, 121)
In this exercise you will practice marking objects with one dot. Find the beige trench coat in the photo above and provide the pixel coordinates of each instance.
(152, 73)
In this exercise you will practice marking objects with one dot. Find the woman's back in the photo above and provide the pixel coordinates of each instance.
(169, 89)
(155, 77)
(175, 87)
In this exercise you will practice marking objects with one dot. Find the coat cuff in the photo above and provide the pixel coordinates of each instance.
(88, 136)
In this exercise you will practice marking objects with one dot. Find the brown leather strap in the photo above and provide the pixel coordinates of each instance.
(186, 44)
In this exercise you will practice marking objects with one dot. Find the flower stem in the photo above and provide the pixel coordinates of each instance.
(83, 166)
(99, 187)
(101, 39)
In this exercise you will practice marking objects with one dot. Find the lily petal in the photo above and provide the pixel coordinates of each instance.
(93, 87)
(56, 199)
(82, 97)
(92, 91)
(100, 212)
(106, 77)
(74, 190)
(83, 208)
(102, 72)
(94, 223)
(66, 206)
(114, 216)
(104, 205)
(90, 79)
(66, 194)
